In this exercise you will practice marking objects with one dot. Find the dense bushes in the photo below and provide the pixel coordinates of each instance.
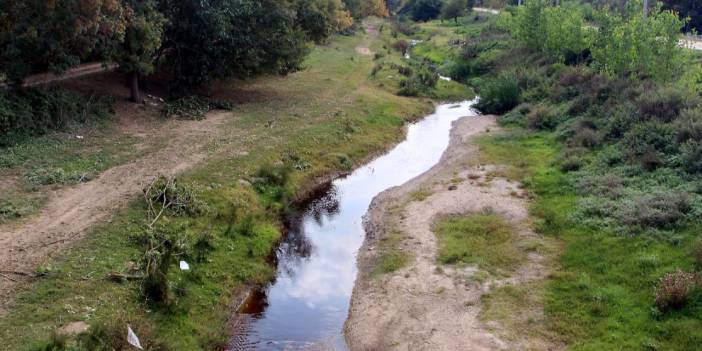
(622, 45)
(34, 112)
(499, 95)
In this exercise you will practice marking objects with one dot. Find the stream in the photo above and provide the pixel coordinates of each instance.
(307, 304)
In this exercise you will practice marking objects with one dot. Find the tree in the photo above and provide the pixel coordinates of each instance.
(425, 10)
(453, 9)
(206, 40)
(322, 18)
(135, 53)
(55, 35)
(469, 5)
(365, 8)
(691, 9)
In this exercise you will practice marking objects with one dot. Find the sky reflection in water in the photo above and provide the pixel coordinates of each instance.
(308, 302)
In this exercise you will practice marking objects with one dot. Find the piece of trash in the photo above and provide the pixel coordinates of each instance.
(184, 266)
(79, 137)
(132, 339)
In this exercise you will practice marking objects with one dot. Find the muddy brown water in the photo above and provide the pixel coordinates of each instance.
(306, 306)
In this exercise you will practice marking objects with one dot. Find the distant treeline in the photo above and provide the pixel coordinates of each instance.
(192, 41)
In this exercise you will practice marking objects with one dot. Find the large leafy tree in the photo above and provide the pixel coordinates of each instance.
(453, 9)
(135, 51)
(55, 35)
(208, 39)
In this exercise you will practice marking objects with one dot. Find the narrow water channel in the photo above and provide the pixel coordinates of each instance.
(307, 304)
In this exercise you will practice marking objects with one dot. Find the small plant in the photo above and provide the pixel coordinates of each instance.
(675, 289)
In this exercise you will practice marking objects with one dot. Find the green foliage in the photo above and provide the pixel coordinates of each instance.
(453, 9)
(499, 95)
(33, 112)
(641, 46)
(422, 80)
(424, 10)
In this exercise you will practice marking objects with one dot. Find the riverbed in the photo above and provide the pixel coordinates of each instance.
(307, 304)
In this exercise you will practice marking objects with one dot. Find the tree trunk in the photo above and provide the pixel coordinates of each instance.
(134, 87)
(456, 19)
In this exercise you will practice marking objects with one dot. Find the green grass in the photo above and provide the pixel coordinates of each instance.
(391, 261)
(40, 164)
(601, 295)
(485, 240)
(326, 118)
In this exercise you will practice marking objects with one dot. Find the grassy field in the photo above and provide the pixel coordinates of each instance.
(601, 295)
(326, 119)
(602, 291)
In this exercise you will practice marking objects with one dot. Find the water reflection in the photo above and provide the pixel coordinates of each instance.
(308, 302)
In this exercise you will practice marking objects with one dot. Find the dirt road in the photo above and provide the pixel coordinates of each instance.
(423, 306)
(71, 211)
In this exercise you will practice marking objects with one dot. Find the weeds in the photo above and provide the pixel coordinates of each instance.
(675, 289)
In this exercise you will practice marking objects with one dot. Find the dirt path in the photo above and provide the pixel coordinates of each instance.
(422, 306)
(372, 31)
(71, 211)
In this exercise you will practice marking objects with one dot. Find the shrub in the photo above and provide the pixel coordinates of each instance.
(649, 138)
(675, 289)
(34, 112)
(689, 125)
(499, 95)
(691, 156)
(402, 46)
(571, 163)
(405, 71)
(516, 116)
(608, 185)
(663, 104)
(542, 118)
(586, 137)
(654, 210)
(697, 253)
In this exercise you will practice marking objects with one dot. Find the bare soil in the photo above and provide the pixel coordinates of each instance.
(30, 243)
(425, 305)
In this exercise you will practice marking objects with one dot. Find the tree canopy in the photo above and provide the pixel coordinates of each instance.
(193, 41)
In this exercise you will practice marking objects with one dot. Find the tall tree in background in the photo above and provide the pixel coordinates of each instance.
(469, 5)
(687, 8)
(135, 53)
(453, 9)
(205, 40)
(55, 35)
(365, 8)
(322, 18)
(424, 10)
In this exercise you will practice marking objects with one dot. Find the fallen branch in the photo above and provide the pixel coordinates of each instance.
(120, 277)
(8, 277)
(17, 273)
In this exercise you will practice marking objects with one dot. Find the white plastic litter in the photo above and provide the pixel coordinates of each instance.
(184, 266)
(132, 339)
